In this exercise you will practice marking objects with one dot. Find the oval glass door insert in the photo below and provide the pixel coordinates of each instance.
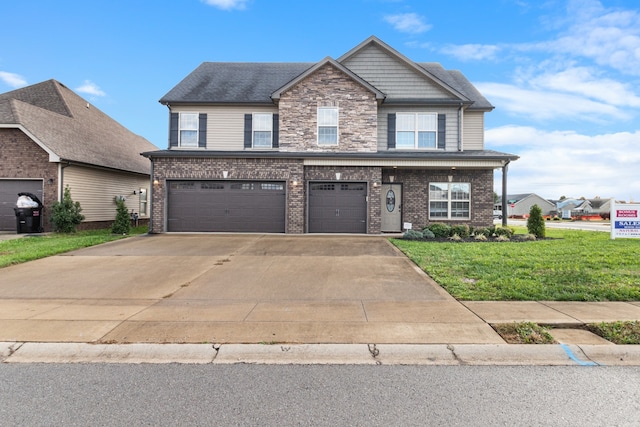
(391, 200)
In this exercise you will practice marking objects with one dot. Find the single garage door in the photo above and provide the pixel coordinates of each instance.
(232, 206)
(336, 207)
(9, 189)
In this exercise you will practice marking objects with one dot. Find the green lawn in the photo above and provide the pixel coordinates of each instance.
(29, 248)
(569, 266)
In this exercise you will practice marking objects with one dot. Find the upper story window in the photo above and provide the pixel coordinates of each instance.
(449, 200)
(328, 126)
(188, 130)
(416, 130)
(262, 130)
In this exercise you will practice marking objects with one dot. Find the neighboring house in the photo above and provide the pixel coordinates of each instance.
(367, 143)
(569, 208)
(520, 204)
(600, 207)
(50, 138)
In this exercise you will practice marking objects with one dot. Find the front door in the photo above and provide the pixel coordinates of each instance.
(391, 208)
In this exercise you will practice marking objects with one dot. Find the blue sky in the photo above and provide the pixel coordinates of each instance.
(563, 74)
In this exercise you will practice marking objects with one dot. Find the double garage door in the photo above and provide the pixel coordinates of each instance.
(9, 189)
(259, 206)
(232, 206)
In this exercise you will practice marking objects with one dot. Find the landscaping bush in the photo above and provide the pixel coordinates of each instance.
(428, 234)
(535, 223)
(440, 230)
(412, 235)
(486, 232)
(66, 215)
(462, 230)
(122, 224)
(504, 232)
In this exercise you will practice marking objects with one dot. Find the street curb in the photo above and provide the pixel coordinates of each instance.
(326, 354)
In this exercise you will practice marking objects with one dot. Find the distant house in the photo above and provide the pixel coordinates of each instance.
(50, 138)
(520, 204)
(601, 207)
(569, 208)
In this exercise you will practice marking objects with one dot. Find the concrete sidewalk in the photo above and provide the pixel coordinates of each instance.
(266, 291)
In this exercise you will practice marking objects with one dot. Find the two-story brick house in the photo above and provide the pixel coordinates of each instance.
(361, 144)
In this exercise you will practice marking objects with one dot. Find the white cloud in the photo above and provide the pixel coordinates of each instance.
(556, 163)
(12, 79)
(227, 4)
(476, 52)
(540, 104)
(90, 88)
(408, 23)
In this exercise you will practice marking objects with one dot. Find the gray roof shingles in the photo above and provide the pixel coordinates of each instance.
(74, 129)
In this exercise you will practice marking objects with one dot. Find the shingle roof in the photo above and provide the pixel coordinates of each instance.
(251, 82)
(73, 129)
(234, 82)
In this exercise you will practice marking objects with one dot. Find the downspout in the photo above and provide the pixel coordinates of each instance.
(505, 169)
(460, 112)
(61, 169)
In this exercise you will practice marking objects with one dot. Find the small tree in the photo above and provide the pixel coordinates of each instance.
(66, 215)
(122, 224)
(535, 222)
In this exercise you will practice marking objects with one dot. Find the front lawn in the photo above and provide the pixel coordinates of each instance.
(29, 248)
(569, 266)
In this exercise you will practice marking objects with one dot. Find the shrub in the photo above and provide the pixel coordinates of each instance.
(440, 230)
(462, 230)
(122, 224)
(504, 231)
(535, 223)
(412, 235)
(454, 237)
(502, 238)
(428, 234)
(66, 215)
(486, 231)
(480, 237)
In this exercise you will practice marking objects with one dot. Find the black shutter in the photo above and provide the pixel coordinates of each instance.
(202, 130)
(248, 128)
(276, 131)
(442, 131)
(173, 129)
(391, 130)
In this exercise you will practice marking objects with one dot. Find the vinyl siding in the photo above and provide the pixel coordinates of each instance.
(96, 190)
(473, 130)
(452, 123)
(225, 124)
(392, 77)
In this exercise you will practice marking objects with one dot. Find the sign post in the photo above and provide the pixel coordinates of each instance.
(625, 220)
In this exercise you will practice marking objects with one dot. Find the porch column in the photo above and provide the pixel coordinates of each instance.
(505, 169)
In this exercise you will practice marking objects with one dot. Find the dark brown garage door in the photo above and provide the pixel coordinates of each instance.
(9, 189)
(336, 207)
(234, 206)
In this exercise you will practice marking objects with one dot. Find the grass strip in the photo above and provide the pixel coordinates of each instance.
(32, 247)
(571, 265)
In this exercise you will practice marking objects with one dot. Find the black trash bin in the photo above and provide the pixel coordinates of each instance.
(28, 220)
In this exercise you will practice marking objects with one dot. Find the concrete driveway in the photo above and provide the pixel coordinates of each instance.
(177, 288)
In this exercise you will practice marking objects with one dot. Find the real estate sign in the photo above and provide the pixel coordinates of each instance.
(625, 220)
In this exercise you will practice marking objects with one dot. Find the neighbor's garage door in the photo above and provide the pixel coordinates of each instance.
(336, 207)
(236, 206)
(9, 189)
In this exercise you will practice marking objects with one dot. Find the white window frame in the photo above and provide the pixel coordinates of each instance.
(256, 128)
(184, 127)
(416, 128)
(449, 197)
(323, 123)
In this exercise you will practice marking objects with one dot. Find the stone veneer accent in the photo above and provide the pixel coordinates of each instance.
(415, 193)
(327, 87)
(22, 158)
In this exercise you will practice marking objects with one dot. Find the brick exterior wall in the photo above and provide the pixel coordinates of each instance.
(416, 194)
(328, 86)
(22, 158)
